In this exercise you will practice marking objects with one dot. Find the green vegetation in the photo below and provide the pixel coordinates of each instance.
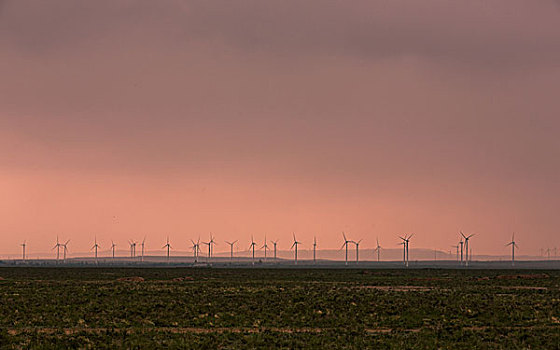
(281, 308)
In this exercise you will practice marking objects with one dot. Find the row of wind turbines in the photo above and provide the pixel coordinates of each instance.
(464, 254)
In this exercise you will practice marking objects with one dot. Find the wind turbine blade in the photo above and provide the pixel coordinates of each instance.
(344, 235)
(462, 234)
(409, 237)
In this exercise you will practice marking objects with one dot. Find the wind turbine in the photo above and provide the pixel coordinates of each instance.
(314, 249)
(65, 246)
(513, 246)
(252, 246)
(345, 245)
(461, 243)
(132, 248)
(457, 248)
(466, 247)
(143, 242)
(196, 249)
(405, 242)
(23, 245)
(357, 250)
(265, 247)
(57, 247)
(208, 256)
(296, 243)
(377, 249)
(274, 243)
(168, 246)
(95, 246)
(231, 244)
(211, 243)
(113, 245)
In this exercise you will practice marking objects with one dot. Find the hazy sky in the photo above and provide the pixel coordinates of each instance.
(129, 118)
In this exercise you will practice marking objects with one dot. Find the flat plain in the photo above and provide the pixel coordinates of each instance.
(279, 308)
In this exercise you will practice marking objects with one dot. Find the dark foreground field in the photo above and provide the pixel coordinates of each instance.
(281, 308)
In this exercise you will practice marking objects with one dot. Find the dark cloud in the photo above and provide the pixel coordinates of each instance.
(495, 34)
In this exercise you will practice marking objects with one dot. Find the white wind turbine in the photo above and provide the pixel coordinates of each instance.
(275, 243)
(265, 247)
(252, 246)
(57, 247)
(345, 245)
(132, 248)
(168, 246)
(143, 243)
(377, 249)
(357, 251)
(23, 245)
(513, 247)
(462, 244)
(296, 243)
(405, 241)
(113, 246)
(207, 256)
(196, 249)
(65, 249)
(467, 238)
(211, 244)
(456, 247)
(314, 249)
(95, 247)
(231, 244)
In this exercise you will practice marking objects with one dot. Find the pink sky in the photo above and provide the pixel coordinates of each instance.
(132, 118)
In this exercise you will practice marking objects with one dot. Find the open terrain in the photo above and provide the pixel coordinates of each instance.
(280, 308)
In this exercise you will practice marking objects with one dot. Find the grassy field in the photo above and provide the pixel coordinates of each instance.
(280, 308)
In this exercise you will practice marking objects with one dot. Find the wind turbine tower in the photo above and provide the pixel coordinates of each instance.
(467, 238)
(274, 243)
(113, 246)
(377, 249)
(295, 245)
(132, 249)
(65, 250)
(196, 249)
(456, 247)
(168, 246)
(231, 244)
(57, 247)
(345, 245)
(95, 247)
(513, 247)
(358, 251)
(252, 246)
(23, 245)
(405, 242)
(314, 249)
(211, 244)
(143, 243)
(265, 247)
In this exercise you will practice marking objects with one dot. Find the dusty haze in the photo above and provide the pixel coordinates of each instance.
(129, 118)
